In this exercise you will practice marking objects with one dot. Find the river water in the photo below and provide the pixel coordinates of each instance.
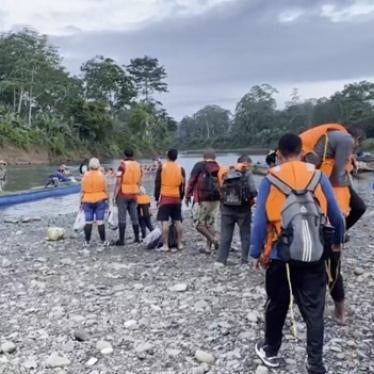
(26, 177)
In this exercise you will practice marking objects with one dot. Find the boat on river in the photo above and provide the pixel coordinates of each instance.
(38, 193)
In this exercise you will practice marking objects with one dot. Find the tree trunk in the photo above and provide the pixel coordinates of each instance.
(146, 90)
(20, 101)
(14, 100)
(30, 97)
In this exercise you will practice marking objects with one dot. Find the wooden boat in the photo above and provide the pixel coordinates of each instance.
(38, 194)
(260, 169)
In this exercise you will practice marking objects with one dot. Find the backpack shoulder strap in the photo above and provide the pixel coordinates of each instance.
(280, 185)
(314, 181)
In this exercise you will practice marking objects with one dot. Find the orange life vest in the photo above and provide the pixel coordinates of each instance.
(143, 199)
(93, 187)
(297, 175)
(131, 178)
(309, 139)
(223, 170)
(171, 179)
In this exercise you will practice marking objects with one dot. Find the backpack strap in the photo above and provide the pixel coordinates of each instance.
(314, 181)
(280, 185)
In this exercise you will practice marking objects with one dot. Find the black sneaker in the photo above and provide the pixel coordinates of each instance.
(269, 361)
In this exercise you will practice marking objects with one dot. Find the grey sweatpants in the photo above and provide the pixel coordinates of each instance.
(125, 206)
(230, 217)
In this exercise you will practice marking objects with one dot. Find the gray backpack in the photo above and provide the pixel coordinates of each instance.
(302, 222)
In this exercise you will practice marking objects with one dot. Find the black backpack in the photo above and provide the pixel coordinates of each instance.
(236, 189)
(208, 186)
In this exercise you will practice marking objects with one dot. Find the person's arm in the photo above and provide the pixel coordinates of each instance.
(252, 184)
(182, 188)
(343, 152)
(259, 228)
(117, 188)
(197, 169)
(333, 211)
(158, 184)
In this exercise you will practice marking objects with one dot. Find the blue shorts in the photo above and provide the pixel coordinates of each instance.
(94, 211)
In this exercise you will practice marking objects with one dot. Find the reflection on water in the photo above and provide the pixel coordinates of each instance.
(25, 177)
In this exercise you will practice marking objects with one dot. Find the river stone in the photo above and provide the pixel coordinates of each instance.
(203, 356)
(55, 233)
(30, 363)
(91, 362)
(359, 271)
(8, 347)
(262, 370)
(253, 316)
(179, 287)
(81, 335)
(131, 324)
(56, 361)
(104, 347)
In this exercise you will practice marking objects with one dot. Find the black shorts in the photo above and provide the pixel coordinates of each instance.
(170, 211)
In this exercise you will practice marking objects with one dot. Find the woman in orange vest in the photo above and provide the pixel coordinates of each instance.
(144, 204)
(129, 178)
(94, 200)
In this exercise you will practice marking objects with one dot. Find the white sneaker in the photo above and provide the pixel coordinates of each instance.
(86, 244)
(164, 248)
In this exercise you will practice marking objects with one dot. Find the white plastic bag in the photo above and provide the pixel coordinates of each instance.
(113, 218)
(80, 221)
(153, 239)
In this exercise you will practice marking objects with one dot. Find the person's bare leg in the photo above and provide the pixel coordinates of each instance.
(339, 312)
(179, 228)
(165, 235)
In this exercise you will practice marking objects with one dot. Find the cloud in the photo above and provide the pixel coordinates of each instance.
(57, 17)
(214, 51)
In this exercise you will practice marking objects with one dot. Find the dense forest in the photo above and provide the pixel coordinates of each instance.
(257, 121)
(109, 106)
(105, 108)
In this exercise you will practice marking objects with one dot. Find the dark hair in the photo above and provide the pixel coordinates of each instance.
(290, 145)
(209, 154)
(357, 133)
(172, 154)
(128, 153)
(271, 158)
(244, 159)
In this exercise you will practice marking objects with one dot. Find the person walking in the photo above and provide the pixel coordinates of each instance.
(144, 214)
(293, 205)
(330, 148)
(169, 194)
(94, 200)
(238, 193)
(203, 187)
(129, 177)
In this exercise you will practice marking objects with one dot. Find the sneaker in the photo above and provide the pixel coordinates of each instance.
(104, 244)
(117, 243)
(180, 247)
(163, 248)
(86, 244)
(269, 361)
(174, 250)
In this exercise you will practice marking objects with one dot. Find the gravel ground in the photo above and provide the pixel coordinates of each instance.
(66, 309)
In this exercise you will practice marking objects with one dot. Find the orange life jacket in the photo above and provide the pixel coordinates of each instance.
(171, 179)
(93, 187)
(223, 170)
(143, 199)
(131, 178)
(297, 175)
(309, 139)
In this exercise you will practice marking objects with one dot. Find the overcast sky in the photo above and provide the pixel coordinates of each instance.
(214, 50)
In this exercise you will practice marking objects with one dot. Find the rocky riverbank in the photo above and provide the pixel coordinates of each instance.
(66, 309)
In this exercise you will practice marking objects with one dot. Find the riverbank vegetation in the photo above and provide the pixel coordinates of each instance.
(257, 121)
(101, 111)
(109, 106)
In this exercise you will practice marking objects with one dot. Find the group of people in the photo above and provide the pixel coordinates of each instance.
(303, 208)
